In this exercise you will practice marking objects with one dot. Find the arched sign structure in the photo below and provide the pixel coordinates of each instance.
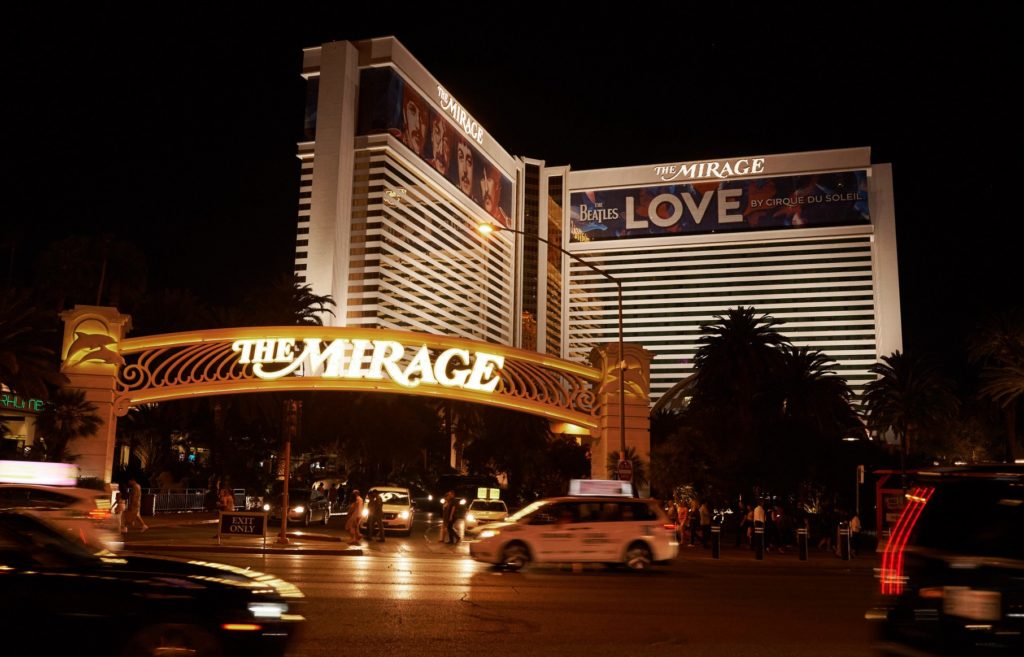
(281, 358)
(118, 373)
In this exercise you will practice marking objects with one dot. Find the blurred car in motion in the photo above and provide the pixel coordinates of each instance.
(305, 506)
(397, 509)
(952, 571)
(481, 512)
(84, 514)
(610, 530)
(65, 599)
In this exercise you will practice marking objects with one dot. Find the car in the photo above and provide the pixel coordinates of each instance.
(610, 530)
(397, 509)
(950, 572)
(305, 506)
(82, 513)
(65, 599)
(481, 512)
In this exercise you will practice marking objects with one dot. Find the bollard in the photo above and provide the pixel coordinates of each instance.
(844, 541)
(716, 541)
(759, 542)
(801, 541)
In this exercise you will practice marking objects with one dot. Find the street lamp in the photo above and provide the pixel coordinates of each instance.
(488, 228)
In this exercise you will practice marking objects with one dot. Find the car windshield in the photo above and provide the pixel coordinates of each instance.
(22, 534)
(479, 505)
(525, 512)
(394, 497)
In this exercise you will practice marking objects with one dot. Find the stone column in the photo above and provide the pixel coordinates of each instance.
(637, 408)
(90, 360)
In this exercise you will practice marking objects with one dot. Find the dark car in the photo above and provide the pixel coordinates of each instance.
(305, 506)
(952, 571)
(62, 597)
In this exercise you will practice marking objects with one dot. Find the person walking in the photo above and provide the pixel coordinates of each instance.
(117, 511)
(375, 517)
(355, 514)
(450, 515)
(134, 512)
(705, 523)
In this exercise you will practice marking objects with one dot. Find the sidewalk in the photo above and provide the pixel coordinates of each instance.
(161, 538)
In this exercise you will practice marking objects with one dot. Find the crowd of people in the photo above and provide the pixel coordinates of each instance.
(740, 522)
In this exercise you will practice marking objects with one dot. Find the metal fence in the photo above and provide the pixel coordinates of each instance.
(190, 499)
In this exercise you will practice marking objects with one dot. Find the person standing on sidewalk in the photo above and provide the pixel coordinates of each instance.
(134, 512)
(450, 511)
(705, 523)
(355, 514)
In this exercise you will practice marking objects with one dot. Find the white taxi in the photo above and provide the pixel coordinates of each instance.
(611, 530)
(481, 512)
(397, 504)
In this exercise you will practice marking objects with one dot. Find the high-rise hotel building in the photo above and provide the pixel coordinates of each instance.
(397, 175)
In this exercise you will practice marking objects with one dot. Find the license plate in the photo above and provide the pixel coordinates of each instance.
(970, 603)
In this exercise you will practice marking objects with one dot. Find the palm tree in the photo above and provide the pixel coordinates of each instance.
(66, 417)
(289, 303)
(909, 395)
(28, 364)
(999, 346)
(640, 479)
(736, 354)
(812, 394)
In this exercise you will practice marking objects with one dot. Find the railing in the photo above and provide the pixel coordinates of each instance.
(190, 499)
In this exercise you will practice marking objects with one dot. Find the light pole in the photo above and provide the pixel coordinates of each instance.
(487, 229)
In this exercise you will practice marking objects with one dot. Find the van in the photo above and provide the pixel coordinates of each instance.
(609, 530)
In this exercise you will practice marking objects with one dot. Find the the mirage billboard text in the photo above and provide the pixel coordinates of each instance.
(826, 199)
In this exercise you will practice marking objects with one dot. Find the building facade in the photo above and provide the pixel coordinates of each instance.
(397, 176)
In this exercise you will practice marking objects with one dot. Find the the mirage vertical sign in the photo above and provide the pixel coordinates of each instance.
(715, 206)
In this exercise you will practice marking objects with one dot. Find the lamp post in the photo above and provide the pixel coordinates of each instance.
(487, 229)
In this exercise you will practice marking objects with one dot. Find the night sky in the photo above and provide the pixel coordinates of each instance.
(176, 129)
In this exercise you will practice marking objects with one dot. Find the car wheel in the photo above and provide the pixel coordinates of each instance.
(172, 639)
(308, 518)
(515, 556)
(638, 557)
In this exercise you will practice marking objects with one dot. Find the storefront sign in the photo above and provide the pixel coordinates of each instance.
(275, 358)
(12, 402)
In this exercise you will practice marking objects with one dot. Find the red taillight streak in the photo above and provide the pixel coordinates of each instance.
(892, 558)
(99, 514)
(670, 527)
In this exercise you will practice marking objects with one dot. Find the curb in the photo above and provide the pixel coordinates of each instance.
(244, 549)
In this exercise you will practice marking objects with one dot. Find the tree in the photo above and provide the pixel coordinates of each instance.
(288, 303)
(66, 417)
(999, 346)
(28, 362)
(640, 478)
(909, 395)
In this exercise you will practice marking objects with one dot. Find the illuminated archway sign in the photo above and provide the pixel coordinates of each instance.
(371, 359)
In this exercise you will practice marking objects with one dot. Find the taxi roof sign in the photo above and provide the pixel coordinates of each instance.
(603, 487)
(488, 493)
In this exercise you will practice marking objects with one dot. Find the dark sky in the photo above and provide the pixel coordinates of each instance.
(175, 128)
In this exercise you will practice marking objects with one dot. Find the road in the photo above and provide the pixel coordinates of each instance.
(415, 597)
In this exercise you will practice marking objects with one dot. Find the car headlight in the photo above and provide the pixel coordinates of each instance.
(470, 517)
(299, 509)
(462, 502)
(488, 533)
(267, 609)
(366, 513)
(266, 507)
(404, 515)
(430, 498)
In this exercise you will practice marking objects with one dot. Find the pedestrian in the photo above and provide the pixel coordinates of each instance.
(854, 533)
(681, 510)
(450, 514)
(693, 517)
(332, 498)
(705, 523)
(375, 517)
(759, 516)
(746, 521)
(355, 514)
(117, 511)
(134, 511)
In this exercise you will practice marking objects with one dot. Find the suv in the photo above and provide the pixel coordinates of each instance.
(950, 574)
(610, 530)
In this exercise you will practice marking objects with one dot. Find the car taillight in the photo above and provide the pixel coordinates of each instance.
(892, 559)
(669, 526)
(99, 514)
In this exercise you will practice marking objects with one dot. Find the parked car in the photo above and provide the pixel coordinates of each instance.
(481, 512)
(610, 530)
(82, 513)
(65, 599)
(305, 506)
(397, 509)
(950, 576)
